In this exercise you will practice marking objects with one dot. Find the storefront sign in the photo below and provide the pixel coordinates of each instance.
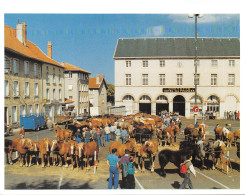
(181, 90)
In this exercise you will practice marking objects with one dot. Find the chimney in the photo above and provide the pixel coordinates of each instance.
(49, 49)
(97, 79)
(21, 32)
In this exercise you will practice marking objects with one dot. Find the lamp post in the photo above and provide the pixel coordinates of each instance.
(195, 80)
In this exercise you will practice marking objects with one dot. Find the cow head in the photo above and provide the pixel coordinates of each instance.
(27, 143)
(54, 145)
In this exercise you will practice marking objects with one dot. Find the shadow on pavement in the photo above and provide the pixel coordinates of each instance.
(176, 185)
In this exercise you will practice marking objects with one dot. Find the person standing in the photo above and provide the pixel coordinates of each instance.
(113, 163)
(22, 132)
(94, 134)
(190, 169)
(118, 134)
(87, 136)
(122, 163)
(130, 180)
(107, 133)
(102, 136)
(98, 136)
(124, 135)
(78, 136)
(237, 115)
(225, 115)
(112, 132)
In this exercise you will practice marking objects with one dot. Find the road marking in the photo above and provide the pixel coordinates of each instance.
(61, 178)
(213, 180)
(138, 183)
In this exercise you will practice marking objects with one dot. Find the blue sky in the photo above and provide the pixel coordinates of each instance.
(89, 40)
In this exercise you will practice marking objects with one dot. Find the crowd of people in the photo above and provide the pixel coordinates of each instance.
(101, 135)
(231, 115)
(170, 119)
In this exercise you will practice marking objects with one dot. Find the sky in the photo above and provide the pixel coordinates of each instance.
(88, 41)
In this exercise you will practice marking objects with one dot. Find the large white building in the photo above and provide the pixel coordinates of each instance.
(155, 74)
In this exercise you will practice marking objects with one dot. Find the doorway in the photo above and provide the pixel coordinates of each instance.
(161, 107)
(179, 105)
(145, 108)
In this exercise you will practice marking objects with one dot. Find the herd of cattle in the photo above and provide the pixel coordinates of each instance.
(141, 144)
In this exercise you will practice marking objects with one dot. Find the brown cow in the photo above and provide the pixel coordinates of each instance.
(89, 150)
(45, 149)
(218, 130)
(72, 151)
(148, 150)
(62, 134)
(79, 154)
(236, 136)
(130, 144)
(35, 152)
(21, 146)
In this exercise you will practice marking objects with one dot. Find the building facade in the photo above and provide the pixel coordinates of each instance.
(97, 95)
(156, 74)
(24, 66)
(76, 89)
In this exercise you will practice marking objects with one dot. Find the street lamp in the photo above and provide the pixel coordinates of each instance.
(195, 80)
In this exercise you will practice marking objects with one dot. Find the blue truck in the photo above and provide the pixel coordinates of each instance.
(32, 121)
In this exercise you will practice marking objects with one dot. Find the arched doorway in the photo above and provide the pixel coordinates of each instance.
(179, 105)
(161, 104)
(128, 102)
(145, 104)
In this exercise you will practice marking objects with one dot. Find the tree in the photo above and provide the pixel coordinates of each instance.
(110, 93)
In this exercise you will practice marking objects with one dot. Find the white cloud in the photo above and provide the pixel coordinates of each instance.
(155, 31)
(207, 18)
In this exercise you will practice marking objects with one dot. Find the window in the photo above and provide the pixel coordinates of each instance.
(232, 63)
(128, 97)
(199, 103)
(54, 80)
(47, 94)
(59, 79)
(35, 89)
(128, 79)
(162, 79)
(80, 97)
(162, 63)
(16, 66)
(36, 108)
(54, 95)
(145, 79)
(27, 87)
(128, 63)
(179, 79)
(197, 79)
(70, 97)
(60, 94)
(22, 110)
(70, 87)
(6, 87)
(179, 64)
(47, 77)
(6, 65)
(145, 63)
(29, 109)
(26, 65)
(214, 63)
(213, 79)
(16, 88)
(213, 104)
(231, 79)
(162, 99)
(145, 98)
(14, 114)
(35, 69)
(70, 75)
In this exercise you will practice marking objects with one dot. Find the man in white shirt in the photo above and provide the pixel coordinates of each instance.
(190, 169)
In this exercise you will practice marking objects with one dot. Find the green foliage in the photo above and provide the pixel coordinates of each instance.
(110, 93)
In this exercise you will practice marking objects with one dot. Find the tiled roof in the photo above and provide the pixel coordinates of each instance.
(73, 68)
(177, 47)
(92, 83)
(30, 50)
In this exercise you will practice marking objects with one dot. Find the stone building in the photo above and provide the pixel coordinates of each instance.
(97, 95)
(155, 74)
(76, 89)
(25, 68)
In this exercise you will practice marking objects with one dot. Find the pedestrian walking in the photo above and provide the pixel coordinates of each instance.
(102, 136)
(130, 180)
(87, 136)
(107, 133)
(123, 164)
(94, 135)
(186, 168)
(78, 136)
(118, 134)
(98, 136)
(124, 135)
(113, 163)
(22, 132)
(112, 132)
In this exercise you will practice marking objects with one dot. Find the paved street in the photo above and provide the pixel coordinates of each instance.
(36, 177)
